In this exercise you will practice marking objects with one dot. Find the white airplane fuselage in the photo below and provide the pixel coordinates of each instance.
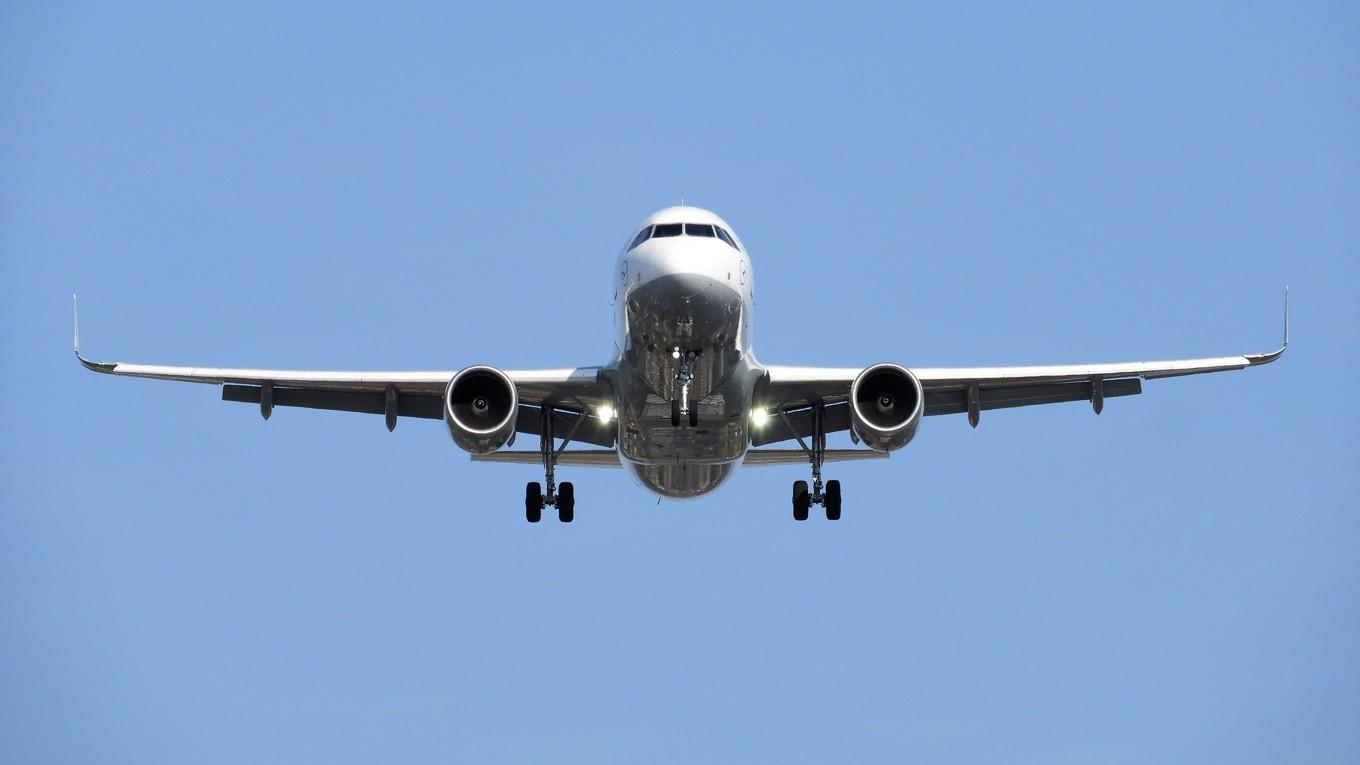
(683, 309)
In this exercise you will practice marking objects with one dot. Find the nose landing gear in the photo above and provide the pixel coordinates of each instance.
(684, 375)
(828, 496)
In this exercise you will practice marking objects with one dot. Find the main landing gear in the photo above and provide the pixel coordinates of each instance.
(828, 496)
(561, 497)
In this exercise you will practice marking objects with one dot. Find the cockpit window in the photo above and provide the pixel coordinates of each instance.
(642, 236)
(726, 237)
(688, 229)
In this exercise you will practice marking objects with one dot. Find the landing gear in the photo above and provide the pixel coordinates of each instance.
(830, 500)
(566, 502)
(533, 502)
(801, 501)
(684, 375)
(692, 414)
(564, 497)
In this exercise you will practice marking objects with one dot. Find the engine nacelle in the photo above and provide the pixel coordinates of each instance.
(886, 404)
(480, 408)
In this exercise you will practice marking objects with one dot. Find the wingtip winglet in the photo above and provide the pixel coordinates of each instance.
(1286, 318)
(94, 366)
(1266, 358)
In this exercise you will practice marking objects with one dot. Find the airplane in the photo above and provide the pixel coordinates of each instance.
(684, 402)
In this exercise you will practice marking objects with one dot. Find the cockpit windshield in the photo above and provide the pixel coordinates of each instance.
(726, 237)
(642, 236)
(707, 230)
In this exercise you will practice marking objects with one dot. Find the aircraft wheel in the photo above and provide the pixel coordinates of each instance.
(533, 502)
(675, 414)
(801, 501)
(694, 416)
(566, 502)
(833, 500)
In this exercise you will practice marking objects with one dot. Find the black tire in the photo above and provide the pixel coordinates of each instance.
(566, 502)
(675, 414)
(833, 500)
(801, 501)
(533, 502)
(694, 416)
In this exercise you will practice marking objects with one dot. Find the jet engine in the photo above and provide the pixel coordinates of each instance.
(480, 408)
(886, 404)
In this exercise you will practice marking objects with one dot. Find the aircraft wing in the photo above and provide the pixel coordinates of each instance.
(975, 389)
(571, 393)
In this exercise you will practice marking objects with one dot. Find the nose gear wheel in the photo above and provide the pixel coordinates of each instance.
(682, 408)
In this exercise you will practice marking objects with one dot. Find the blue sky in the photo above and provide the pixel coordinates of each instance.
(429, 187)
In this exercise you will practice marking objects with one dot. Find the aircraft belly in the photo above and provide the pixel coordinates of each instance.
(701, 317)
(682, 481)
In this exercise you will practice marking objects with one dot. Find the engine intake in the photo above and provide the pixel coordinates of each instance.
(886, 404)
(480, 408)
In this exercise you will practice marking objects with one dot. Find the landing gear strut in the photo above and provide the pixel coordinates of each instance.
(684, 375)
(564, 497)
(828, 496)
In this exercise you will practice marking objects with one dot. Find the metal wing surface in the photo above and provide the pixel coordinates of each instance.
(571, 393)
(956, 390)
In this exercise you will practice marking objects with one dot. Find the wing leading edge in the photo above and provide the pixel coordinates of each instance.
(570, 392)
(954, 390)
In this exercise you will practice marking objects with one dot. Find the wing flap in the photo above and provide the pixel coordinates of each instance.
(592, 430)
(570, 457)
(799, 457)
(610, 458)
(425, 406)
(956, 401)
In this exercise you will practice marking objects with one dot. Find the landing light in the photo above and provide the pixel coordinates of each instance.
(759, 417)
(605, 413)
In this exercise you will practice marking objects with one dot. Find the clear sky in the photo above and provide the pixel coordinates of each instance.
(430, 187)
